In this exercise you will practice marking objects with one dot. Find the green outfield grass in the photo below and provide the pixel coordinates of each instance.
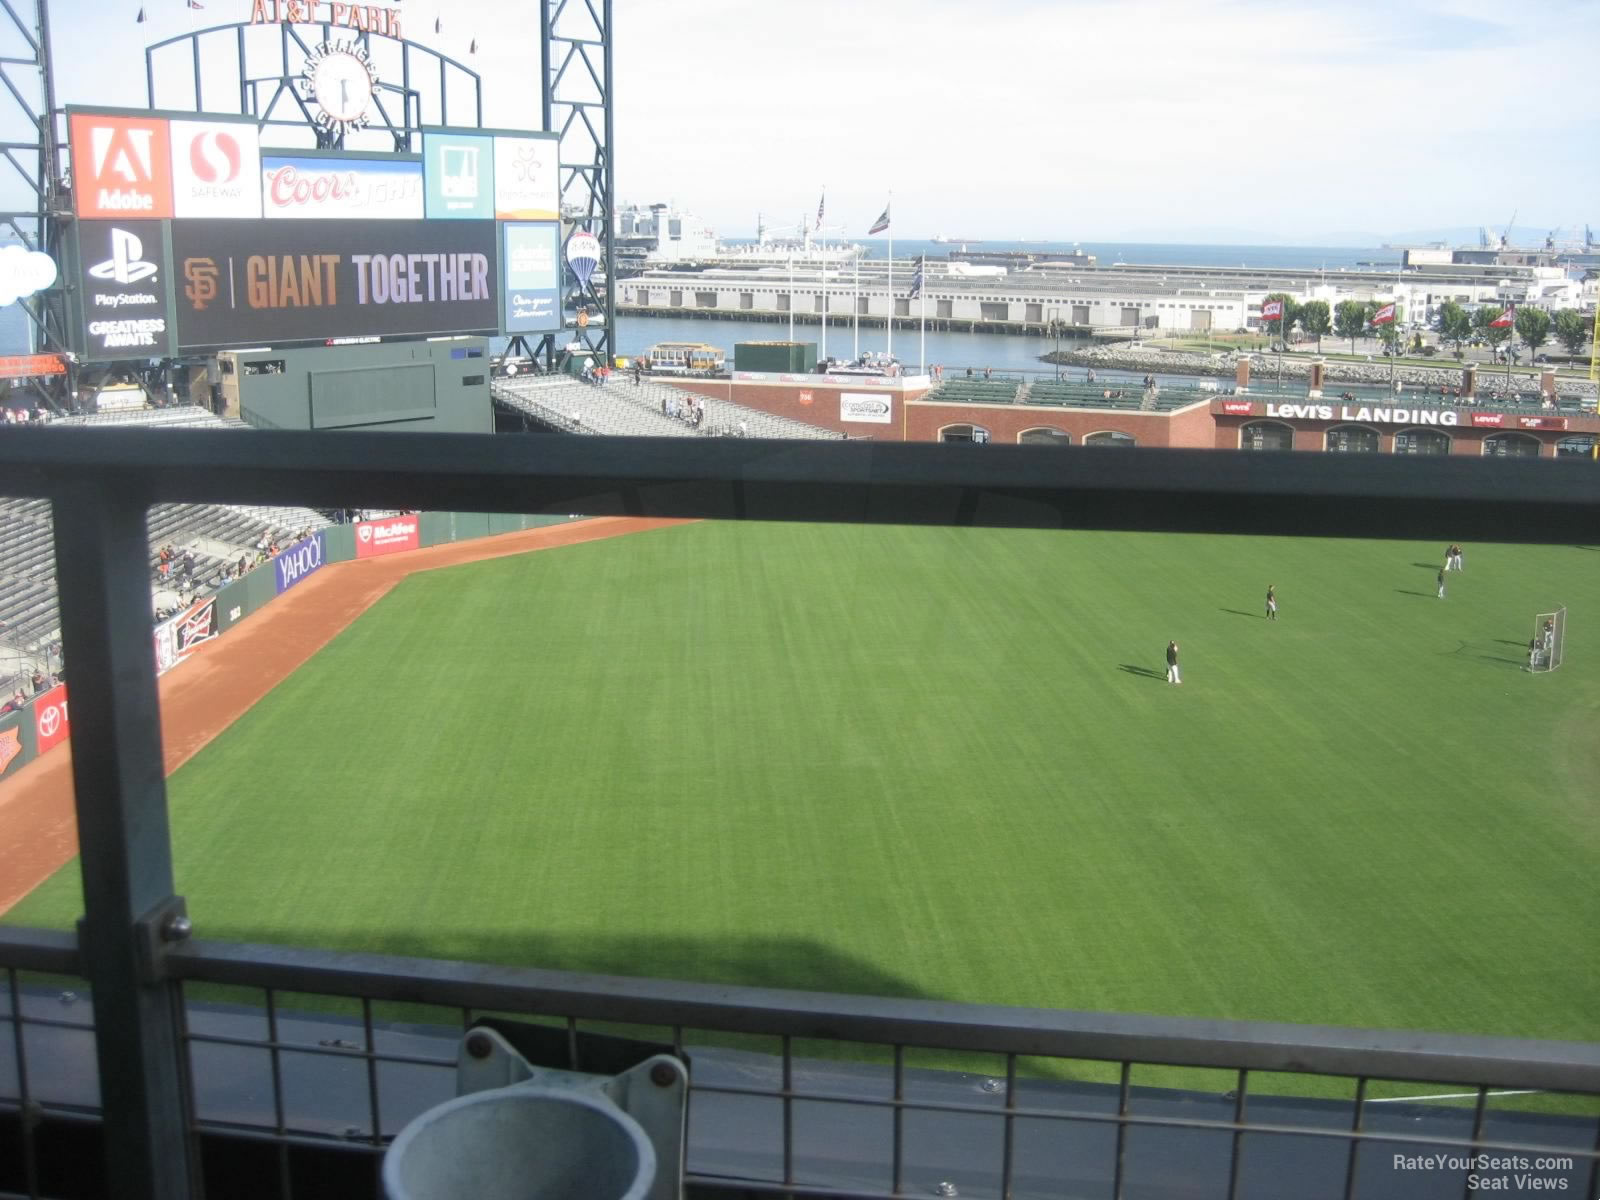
(943, 763)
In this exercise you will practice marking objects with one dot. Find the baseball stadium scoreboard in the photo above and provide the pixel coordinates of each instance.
(192, 236)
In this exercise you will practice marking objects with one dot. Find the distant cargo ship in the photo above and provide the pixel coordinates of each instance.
(939, 239)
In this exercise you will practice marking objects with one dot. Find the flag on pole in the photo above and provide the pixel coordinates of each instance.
(916, 280)
(195, 4)
(139, 20)
(820, 205)
(1384, 316)
(881, 223)
(1272, 310)
(1505, 320)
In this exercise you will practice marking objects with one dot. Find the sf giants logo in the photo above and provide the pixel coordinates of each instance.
(121, 166)
(200, 286)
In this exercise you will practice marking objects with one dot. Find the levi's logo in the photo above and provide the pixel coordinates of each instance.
(121, 166)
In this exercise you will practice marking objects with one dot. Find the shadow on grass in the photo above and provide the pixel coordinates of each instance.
(1144, 671)
(1426, 566)
(1239, 612)
(1499, 658)
(1424, 595)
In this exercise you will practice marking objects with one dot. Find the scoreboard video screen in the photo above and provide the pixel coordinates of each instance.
(193, 236)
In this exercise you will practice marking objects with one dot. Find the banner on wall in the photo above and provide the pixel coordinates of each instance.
(183, 634)
(533, 277)
(50, 718)
(389, 536)
(298, 561)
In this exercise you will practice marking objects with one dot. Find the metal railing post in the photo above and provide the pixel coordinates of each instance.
(102, 563)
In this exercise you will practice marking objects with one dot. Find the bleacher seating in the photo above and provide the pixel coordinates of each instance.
(218, 535)
(624, 408)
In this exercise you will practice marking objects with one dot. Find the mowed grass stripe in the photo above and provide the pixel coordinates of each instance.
(942, 763)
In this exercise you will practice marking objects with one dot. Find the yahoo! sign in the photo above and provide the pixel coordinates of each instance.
(298, 561)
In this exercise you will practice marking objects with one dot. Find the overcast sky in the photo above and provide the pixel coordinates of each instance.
(1184, 120)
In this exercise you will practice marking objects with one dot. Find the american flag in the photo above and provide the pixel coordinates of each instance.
(881, 223)
(916, 280)
(820, 205)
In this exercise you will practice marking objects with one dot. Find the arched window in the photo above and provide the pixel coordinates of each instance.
(1421, 441)
(1109, 437)
(1044, 436)
(963, 433)
(1352, 439)
(1511, 445)
(1266, 435)
(1579, 445)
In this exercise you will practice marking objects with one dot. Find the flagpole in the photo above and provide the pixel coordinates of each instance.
(922, 318)
(855, 317)
(791, 295)
(889, 208)
(822, 236)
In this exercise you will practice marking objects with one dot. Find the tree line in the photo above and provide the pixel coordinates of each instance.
(1457, 326)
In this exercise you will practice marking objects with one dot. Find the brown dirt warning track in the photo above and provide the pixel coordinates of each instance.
(217, 685)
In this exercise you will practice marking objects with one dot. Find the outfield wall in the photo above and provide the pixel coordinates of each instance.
(42, 724)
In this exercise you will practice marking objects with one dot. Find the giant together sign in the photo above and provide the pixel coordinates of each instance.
(248, 282)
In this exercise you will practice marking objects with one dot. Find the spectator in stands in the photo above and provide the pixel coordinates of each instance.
(17, 702)
(988, 372)
(744, 428)
(38, 682)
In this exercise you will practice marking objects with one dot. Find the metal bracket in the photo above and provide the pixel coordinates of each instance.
(654, 1093)
(157, 932)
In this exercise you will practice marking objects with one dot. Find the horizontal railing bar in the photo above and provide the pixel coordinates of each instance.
(863, 482)
(1340, 1133)
(363, 1142)
(942, 1025)
(49, 951)
(350, 1052)
(735, 1184)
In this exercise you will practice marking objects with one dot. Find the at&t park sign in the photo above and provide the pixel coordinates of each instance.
(368, 18)
(1365, 414)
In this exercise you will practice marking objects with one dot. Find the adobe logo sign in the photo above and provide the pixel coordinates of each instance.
(216, 169)
(121, 166)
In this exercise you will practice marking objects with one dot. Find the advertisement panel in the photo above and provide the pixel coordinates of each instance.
(10, 742)
(533, 276)
(458, 169)
(1488, 420)
(121, 166)
(50, 718)
(1238, 408)
(24, 366)
(122, 268)
(526, 181)
(306, 187)
(216, 169)
(179, 637)
(298, 561)
(1542, 422)
(390, 536)
(253, 283)
(862, 407)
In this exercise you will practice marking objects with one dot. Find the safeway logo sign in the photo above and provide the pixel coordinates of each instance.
(216, 169)
(374, 538)
(121, 166)
(50, 718)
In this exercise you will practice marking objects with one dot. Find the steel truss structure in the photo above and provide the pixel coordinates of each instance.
(418, 86)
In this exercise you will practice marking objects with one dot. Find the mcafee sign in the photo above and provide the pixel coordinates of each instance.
(374, 538)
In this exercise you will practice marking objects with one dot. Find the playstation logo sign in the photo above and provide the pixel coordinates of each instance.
(124, 266)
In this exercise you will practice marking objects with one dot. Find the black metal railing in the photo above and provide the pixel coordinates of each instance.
(139, 964)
